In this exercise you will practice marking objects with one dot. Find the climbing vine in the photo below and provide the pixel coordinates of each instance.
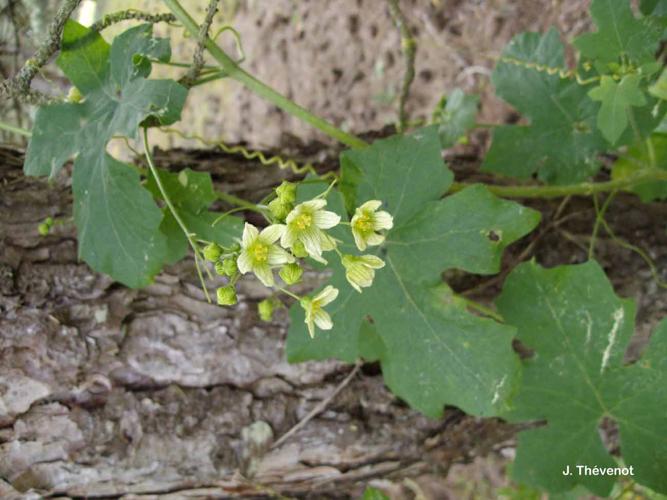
(392, 219)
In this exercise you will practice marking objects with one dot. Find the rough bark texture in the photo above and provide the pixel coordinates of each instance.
(106, 391)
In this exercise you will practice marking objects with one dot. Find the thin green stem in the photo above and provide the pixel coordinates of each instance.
(177, 64)
(240, 202)
(653, 163)
(599, 217)
(165, 196)
(409, 49)
(260, 88)
(211, 77)
(15, 130)
(583, 189)
(287, 292)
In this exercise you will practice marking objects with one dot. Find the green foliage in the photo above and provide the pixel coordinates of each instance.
(617, 100)
(659, 88)
(561, 142)
(192, 193)
(118, 223)
(651, 153)
(455, 115)
(619, 34)
(579, 331)
(431, 349)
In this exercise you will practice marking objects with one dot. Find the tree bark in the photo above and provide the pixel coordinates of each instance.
(112, 392)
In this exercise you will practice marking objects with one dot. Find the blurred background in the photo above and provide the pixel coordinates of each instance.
(341, 59)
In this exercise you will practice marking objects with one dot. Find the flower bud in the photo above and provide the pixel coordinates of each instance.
(291, 273)
(279, 209)
(212, 252)
(74, 95)
(226, 296)
(299, 250)
(229, 267)
(43, 229)
(265, 309)
(286, 192)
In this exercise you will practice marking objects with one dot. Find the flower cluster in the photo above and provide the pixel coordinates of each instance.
(297, 231)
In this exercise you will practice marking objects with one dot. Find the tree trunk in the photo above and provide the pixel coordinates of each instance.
(112, 392)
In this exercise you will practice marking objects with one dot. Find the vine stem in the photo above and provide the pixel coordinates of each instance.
(177, 217)
(15, 130)
(583, 189)
(237, 73)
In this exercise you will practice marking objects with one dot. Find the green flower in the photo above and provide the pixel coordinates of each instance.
(366, 223)
(360, 270)
(226, 295)
(315, 315)
(291, 273)
(259, 252)
(305, 224)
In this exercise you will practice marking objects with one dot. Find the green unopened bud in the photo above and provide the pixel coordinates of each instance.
(229, 267)
(265, 309)
(212, 252)
(74, 95)
(286, 192)
(279, 209)
(299, 250)
(291, 273)
(220, 268)
(226, 296)
(45, 227)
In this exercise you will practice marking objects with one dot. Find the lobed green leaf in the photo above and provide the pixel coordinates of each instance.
(579, 330)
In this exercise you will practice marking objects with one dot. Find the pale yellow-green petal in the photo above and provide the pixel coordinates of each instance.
(360, 275)
(374, 239)
(310, 325)
(327, 242)
(352, 283)
(271, 233)
(263, 272)
(244, 263)
(288, 238)
(295, 212)
(359, 239)
(326, 296)
(370, 206)
(323, 320)
(313, 205)
(372, 261)
(325, 219)
(250, 234)
(311, 241)
(382, 220)
(278, 256)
